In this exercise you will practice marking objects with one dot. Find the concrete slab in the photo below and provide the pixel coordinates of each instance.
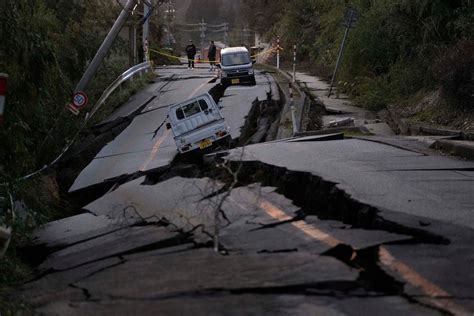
(59, 285)
(245, 304)
(254, 207)
(376, 174)
(237, 101)
(177, 201)
(203, 270)
(449, 265)
(356, 238)
(461, 148)
(53, 287)
(141, 147)
(311, 82)
(338, 105)
(135, 102)
(106, 246)
(75, 229)
(318, 138)
(379, 129)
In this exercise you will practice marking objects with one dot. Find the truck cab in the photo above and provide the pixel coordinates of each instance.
(197, 124)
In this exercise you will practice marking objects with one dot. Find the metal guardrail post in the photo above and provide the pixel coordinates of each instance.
(293, 110)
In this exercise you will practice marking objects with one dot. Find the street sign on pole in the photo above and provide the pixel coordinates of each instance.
(79, 99)
(71, 107)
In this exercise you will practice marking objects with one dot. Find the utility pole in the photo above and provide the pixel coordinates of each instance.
(258, 56)
(278, 52)
(294, 63)
(132, 35)
(170, 17)
(202, 28)
(105, 47)
(146, 27)
(225, 29)
(351, 17)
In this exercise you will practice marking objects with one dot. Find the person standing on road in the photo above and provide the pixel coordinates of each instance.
(191, 52)
(212, 55)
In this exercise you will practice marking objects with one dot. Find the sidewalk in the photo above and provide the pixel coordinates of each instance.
(339, 108)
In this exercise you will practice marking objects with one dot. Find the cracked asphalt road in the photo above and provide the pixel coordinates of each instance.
(303, 232)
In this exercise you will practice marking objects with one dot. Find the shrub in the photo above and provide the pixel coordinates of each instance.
(455, 70)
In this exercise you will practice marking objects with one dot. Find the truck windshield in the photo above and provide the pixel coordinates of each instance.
(235, 59)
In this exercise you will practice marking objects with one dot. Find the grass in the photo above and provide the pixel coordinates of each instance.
(353, 133)
(41, 194)
(13, 271)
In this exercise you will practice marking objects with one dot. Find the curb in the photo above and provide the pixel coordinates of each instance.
(334, 130)
(460, 148)
(299, 102)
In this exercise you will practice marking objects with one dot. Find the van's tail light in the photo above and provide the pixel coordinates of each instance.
(221, 134)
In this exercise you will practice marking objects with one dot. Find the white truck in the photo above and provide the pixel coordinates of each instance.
(197, 123)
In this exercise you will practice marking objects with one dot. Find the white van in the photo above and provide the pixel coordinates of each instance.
(197, 123)
(236, 66)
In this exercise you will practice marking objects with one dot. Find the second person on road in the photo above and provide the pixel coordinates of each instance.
(212, 55)
(191, 52)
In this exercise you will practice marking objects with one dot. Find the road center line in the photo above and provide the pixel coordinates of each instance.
(162, 138)
(309, 230)
(155, 150)
(197, 89)
(436, 295)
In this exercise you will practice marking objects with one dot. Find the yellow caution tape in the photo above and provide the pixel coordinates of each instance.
(265, 52)
(204, 60)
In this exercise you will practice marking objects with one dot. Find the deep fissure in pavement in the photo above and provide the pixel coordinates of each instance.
(322, 198)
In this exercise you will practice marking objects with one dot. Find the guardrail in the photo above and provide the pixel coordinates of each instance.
(143, 67)
(130, 73)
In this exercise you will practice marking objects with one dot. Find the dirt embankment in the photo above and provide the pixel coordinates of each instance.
(429, 111)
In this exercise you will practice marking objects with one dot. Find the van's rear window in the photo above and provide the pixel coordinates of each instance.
(234, 59)
(191, 109)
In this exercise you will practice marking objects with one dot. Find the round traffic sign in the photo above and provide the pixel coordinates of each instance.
(79, 99)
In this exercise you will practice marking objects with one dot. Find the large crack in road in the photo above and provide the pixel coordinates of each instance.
(316, 202)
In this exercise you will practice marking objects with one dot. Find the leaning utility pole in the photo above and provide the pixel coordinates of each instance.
(105, 47)
(146, 24)
(351, 17)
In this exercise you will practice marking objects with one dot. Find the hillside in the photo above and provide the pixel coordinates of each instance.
(416, 57)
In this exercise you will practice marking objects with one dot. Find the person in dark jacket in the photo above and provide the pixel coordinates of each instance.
(191, 52)
(212, 55)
